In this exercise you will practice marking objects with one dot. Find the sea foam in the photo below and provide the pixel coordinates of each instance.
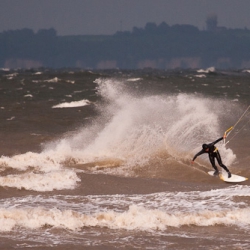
(72, 104)
(150, 212)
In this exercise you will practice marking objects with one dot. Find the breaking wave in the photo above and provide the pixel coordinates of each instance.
(157, 211)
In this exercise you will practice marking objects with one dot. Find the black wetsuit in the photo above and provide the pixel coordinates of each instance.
(212, 153)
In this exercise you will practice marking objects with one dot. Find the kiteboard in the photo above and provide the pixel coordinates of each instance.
(224, 177)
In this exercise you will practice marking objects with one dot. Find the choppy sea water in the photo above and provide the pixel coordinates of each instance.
(101, 160)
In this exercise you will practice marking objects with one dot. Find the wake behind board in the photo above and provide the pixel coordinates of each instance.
(234, 178)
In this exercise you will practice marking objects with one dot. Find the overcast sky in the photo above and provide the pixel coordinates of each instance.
(85, 17)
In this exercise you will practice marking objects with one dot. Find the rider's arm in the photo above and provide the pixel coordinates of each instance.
(199, 153)
(216, 141)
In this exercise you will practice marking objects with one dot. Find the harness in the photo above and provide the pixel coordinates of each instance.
(215, 150)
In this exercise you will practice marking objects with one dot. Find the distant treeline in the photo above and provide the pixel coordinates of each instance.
(154, 46)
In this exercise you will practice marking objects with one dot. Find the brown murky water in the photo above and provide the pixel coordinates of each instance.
(111, 168)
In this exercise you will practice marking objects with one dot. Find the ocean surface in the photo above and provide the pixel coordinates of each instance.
(102, 159)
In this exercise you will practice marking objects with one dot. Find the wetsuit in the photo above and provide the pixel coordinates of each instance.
(213, 153)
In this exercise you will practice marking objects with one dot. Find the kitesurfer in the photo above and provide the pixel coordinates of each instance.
(213, 154)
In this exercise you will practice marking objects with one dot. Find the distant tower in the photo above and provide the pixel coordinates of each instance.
(211, 22)
(121, 25)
